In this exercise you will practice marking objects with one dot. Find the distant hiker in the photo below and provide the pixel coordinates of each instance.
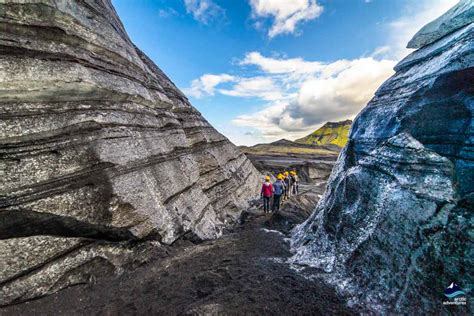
(282, 177)
(288, 185)
(278, 190)
(266, 194)
(295, 185)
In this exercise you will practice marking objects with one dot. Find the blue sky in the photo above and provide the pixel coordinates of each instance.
(261, 70)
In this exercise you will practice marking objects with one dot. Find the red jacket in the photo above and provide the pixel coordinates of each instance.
(267, 189)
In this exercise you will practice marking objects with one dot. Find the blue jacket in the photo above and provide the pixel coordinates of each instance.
(278, 187)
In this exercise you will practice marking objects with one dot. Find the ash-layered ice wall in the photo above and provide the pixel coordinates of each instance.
(97, 148)
(394, 227)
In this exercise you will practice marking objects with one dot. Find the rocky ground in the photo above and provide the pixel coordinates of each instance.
(241, 273)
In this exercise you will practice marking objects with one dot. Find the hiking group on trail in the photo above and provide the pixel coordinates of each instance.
(281, 190)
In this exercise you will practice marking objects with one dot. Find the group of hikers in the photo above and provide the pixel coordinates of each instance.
(282, 189)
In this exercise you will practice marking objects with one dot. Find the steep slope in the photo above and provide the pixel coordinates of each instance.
(102, 157)
(394, 227)
(335, 133)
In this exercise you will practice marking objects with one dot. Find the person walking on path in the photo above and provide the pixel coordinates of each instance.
(294, 180)
(278, 190)
(266, 193)
(288, 185)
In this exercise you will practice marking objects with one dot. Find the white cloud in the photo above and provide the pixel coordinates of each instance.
(296, 68)
(301, 94)
(327, 96)
(280, 66)
(204, 11)
(341, 96)
(263, 120)
(286, 14)
(259, 87)
(206, 84)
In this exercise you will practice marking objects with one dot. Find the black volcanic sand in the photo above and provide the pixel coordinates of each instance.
(240, 273)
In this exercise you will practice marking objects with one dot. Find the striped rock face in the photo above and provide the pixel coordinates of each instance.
(98, 148)
(394, 227)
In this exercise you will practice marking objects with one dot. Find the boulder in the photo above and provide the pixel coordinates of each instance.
(394, 226)
(99, 151)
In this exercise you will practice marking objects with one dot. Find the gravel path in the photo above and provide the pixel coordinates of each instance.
(241, 273)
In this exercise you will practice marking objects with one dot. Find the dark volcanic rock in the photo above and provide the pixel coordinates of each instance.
(394, 227)
(100, 154)
(242, 273)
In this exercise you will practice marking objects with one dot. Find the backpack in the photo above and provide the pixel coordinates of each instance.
(278, 187)
(267, 189)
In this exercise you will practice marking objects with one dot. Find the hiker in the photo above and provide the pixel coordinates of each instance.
(287, 181)
(266, 194)
(294, 179)
(278, 190)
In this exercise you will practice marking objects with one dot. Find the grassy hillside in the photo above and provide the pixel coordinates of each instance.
(335, 133)
(286, 147)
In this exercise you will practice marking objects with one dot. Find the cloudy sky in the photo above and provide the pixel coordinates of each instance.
(262, 70)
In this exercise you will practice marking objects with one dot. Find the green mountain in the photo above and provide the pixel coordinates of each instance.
(335, 133)
(286, 147)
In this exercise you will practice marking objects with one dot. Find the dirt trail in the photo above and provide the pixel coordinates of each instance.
(241, 273)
